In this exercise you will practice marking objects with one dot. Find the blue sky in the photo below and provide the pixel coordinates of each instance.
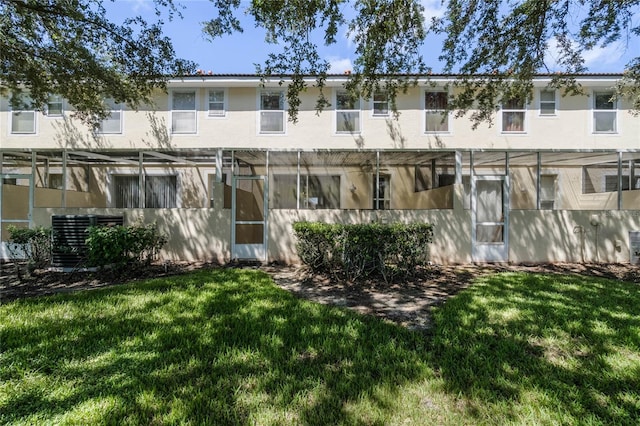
(238, 53)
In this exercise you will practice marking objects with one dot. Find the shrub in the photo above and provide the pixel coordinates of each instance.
(35, 243)
(364, 250)
(120, 245)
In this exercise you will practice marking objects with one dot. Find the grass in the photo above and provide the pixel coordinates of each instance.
(229, 347)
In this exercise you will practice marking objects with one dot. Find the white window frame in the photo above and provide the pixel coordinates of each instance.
(426, 111)
(282, 111)
(541, 102)
(522, 110)
(21, 111)
(594, 111)
(194, 111)
(116, 107)
(357, 109)
(55, 99)
(217, 113)
(375, 101)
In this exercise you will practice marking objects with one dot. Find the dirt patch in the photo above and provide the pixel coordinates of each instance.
(408, 303)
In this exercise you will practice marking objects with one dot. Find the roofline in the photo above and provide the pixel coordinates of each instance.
(240, 80)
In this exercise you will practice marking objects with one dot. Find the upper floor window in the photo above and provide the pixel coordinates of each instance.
(436, 115)
(217, 103)
(54, 106)
(183, 111)
(547, 102)
(380, 104)
(513, 115)
(604, 112)
(347, 113)
(23, 120)
(272, 111)
(113, 123)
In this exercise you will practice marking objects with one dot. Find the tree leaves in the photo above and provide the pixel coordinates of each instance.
(70, 48)
(492, 48)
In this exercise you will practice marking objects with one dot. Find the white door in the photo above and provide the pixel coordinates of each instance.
(249, 218)
(490, 218)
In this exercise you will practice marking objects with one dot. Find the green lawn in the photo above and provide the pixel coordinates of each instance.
(229, 347)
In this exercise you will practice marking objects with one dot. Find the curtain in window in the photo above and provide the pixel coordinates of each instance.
(160, 192)
(126, 191)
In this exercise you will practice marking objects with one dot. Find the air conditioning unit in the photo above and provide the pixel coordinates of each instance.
(69, 250)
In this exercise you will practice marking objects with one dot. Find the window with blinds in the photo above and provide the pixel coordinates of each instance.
(160, 192)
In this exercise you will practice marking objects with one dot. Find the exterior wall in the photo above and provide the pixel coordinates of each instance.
(570, 128)
(193, 234)
(201, 230)
(534, 235)
(452, 229)
(570, 236)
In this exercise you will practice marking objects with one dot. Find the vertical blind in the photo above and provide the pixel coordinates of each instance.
(160, 192)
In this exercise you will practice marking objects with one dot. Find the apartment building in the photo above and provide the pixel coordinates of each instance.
(217, 165)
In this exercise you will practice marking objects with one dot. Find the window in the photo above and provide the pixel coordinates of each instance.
(548, 192)
(212, 185)
(160, 191)
(320, 192)
(513, 115)
(380, 105)
(316, 191)
(547, 102)
(183, 112)
(611, 183)
(216, 103)
(23, 121)
(126, 192)
(604, 112)
(381, 197)
(54, 106)
(436, 116)
(113, 123)
(10, 181)
(437, 174)
(55, 180)
(272, 112)
(284, 191)
(347, 113)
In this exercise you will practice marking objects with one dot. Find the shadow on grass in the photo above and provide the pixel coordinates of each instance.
(221, 347)
(568, 344)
